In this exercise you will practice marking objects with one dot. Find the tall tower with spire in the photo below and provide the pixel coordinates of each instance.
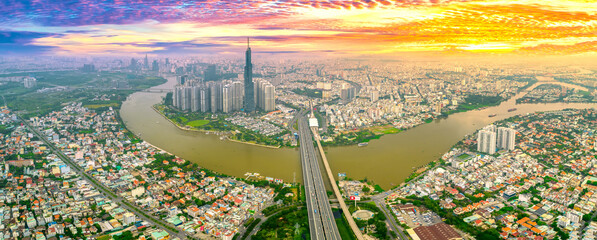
(249, 101)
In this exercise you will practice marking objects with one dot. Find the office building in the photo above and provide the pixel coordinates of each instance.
(88, 68)
(133, 65)
(210, 73)
(180, 80)
(249, 89)
(155, 66)
(347, 93)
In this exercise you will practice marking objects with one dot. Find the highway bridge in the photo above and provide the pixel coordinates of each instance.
(157, 90)
(322, 225)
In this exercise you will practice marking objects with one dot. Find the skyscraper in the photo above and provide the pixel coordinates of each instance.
(249, 91)
(215, 90)
(186, 99)
(265, 94)
(210, 73)
(146, 62)
(205, 99)
(486, 141)
(347, 93)
(177, 96)
(227, 103)
(506, 138)
(155, 66)
(269, 101)
(237, 98)
(195, 99)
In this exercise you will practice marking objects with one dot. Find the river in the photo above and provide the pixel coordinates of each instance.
(387, 161)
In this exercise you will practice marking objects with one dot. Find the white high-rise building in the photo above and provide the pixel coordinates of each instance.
(195, 99)
(374, 96)
(486, 141)
(186, 99)
(506, 138)
(128, 218)
(29, 82)
(269, 95)
(209, 97)
(227, 101)
(204, 99)
(237, 96)
(177, 96)
(265, 95)
(216, 96)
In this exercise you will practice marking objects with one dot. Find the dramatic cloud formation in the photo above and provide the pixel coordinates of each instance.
(354, 27)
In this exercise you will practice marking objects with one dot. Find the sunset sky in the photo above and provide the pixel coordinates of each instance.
(93, 27)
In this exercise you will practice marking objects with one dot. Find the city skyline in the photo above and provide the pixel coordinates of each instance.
(551, 27)
(352, 120)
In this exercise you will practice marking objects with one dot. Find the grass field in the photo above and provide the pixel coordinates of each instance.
(386, 129)
(464, 156)
(182, 119)
(344, 229)
(197, 123)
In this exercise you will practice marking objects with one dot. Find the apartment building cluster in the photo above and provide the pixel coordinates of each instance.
(492, 138)
(547, 177)
(221, 96)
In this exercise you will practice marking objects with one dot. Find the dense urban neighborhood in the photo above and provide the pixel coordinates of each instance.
(542, 189)
(45, 197)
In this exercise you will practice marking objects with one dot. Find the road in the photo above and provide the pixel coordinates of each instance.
(380, 202)
(100, 187)
(353, 226)
(321, 220)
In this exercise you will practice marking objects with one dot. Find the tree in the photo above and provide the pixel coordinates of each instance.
(128, 235)
(366, 189)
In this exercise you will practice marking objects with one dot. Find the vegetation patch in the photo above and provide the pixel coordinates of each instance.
(291, 223)
(344, 229)
(197, 123)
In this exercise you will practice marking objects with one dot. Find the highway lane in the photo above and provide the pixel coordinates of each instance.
(345, 211)
(326, 213)
(315, 227)
(321, 221)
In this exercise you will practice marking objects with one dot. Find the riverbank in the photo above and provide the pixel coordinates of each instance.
(224, 134)
(386, 162)
(253, 144)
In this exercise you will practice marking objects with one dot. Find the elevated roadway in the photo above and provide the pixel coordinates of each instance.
(321, 219)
